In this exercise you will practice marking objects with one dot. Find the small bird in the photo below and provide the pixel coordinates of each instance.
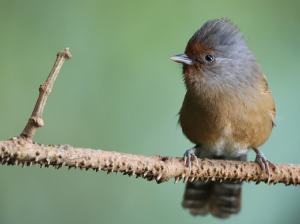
(228, 110)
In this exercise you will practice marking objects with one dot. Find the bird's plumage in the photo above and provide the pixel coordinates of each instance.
(228, 106)
(227, 110)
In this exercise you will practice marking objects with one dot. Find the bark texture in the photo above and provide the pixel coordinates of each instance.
(18, 151)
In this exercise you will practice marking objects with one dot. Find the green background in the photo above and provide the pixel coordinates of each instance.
(120, 92)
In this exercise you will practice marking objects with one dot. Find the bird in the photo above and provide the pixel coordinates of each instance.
(228, 110)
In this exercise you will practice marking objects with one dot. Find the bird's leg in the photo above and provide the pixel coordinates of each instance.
(188, 155)
(264, 163)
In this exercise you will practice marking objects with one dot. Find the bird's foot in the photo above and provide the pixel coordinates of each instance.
(188, 155)
(265, 164)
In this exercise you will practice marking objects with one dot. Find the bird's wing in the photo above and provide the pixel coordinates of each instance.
(268, 92)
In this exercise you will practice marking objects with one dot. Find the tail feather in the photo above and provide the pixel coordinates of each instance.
(225, 199)
(196, 197)
(220, 199)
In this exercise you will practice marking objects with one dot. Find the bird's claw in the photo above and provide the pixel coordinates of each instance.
(188, 155)
(265, 164)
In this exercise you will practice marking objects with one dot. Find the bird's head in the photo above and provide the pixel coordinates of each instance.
(217, 54)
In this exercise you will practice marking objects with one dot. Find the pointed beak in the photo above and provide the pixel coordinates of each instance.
(182, 58)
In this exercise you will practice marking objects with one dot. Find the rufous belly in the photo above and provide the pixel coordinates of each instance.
(225, 132)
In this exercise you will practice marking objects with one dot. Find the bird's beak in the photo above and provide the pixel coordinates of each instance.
(182, 58)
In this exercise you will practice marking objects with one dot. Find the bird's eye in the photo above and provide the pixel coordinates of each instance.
(209, 58)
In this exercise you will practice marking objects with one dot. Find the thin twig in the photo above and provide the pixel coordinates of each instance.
(36, 121)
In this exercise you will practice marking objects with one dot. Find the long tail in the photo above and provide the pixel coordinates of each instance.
(220, 199)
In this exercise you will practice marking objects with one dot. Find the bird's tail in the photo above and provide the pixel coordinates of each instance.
(220, 199)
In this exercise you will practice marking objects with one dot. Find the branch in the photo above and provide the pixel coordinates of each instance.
(160, 168)
(21, 150)
(36, 121)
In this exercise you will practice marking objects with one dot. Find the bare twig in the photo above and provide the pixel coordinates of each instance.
(160, 168)
(36, 121)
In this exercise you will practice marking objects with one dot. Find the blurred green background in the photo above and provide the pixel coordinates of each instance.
(120, 92)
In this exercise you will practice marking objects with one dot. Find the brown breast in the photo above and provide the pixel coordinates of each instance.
(215, 121)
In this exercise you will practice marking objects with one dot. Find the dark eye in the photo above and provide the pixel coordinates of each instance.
(209, 58)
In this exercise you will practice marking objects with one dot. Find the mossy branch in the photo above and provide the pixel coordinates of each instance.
(21, 150)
